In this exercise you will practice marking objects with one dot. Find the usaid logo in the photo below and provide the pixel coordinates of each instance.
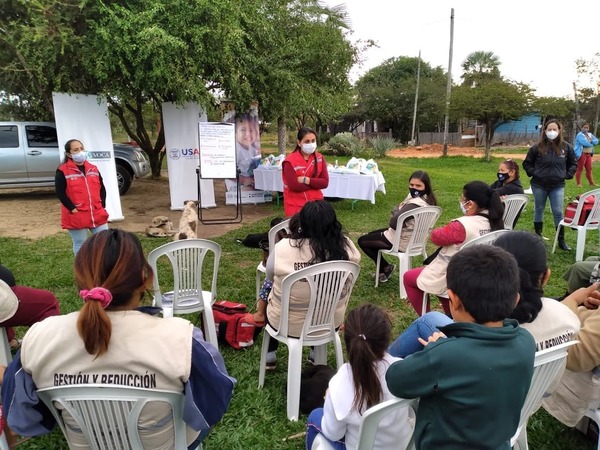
(188, 153)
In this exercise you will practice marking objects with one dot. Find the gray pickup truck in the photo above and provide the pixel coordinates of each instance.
(29, 156)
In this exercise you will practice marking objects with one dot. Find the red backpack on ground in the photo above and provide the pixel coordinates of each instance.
(232, 327)
(585, 212)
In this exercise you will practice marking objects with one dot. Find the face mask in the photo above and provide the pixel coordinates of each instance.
(551, 134)
(414, 193)
(309, 149)
(78, 158)
(502, 176)
(462, 207)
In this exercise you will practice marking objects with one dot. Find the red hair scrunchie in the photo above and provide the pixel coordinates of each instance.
(99, 294)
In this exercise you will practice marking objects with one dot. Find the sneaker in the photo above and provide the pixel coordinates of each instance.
(385, 276)
(271, 361)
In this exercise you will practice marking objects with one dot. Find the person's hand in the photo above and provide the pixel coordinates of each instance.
(434, 337)
(581, 296)
(301, 180)
(74, 210)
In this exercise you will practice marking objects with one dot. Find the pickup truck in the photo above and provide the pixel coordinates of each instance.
(29, 156)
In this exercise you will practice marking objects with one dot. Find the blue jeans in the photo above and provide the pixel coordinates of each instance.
(313, 427)
(557, 199)
(79, 236)
(408, 342)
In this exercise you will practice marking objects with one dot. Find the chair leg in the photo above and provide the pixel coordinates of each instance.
(263, 358)
(258, 277)
(293, 381)
(425, 303)
(581, 236)
(377, 268)
(209, 324)
(521, 443)
(404, 264)
(556, 238)
(339, 354)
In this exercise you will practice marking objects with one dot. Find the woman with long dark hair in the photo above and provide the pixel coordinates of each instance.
(482, 212)
(359, 385)
(318, 238)
(420, 193)
(82, 195)
(549, 163)
(110, 340)
(304, 173)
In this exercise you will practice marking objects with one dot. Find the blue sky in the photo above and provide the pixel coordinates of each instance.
(537, 41)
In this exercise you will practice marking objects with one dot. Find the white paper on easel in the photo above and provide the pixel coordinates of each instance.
(217, 150)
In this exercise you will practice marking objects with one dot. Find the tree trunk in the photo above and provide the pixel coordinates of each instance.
(281, 135)
(597, 111)
(489, 135)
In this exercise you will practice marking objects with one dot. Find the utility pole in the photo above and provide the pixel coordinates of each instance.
(412, 134)
(577, 122)
(449, 85)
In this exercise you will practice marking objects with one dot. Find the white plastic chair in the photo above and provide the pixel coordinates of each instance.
(548, 366)
(591, 223)
(5, 354)
(424, 220)
(594, 413)
(513, 205)
(327, 281)
(260, 269)
(370, 424)
(486, 239)
(108, 416)
(186, 258)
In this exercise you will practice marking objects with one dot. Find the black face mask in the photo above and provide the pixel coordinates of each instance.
(502, 176)
(414, 193)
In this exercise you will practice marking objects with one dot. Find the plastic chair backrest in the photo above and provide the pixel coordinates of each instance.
(328, 283)
(186, 257)
(486, 239)
(593, 218)
(283, 225)
(372, 417)
(548, 365)
(5, 354)
(513, 204)
(108, 416)
(424, 220)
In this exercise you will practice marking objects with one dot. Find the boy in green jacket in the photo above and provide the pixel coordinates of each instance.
(474, 375)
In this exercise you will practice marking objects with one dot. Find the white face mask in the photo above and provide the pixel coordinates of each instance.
(309, 149)
(551, 134)
(78, 158)
(462, 207)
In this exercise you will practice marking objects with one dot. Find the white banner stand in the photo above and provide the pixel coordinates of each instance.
(85, 118)
(181, 142)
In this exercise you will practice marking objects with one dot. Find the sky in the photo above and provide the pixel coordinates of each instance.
(537, 42)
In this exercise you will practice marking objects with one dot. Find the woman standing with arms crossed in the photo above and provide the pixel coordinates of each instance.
(549, 163)
(304, 173)
(584, 150)
(81, 193)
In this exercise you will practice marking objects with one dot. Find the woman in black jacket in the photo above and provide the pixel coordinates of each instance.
(508, 179)
(549, 163)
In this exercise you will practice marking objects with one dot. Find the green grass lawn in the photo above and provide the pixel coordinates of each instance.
(257, 417)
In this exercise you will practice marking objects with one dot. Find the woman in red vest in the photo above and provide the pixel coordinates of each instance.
(304, 173)
(81, 193)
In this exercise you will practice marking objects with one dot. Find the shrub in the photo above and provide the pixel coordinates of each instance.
(381, 145)
(345, 144)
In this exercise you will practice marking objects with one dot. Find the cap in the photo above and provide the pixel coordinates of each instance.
(8, 302)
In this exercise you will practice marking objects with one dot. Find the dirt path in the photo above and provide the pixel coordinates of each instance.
(35, 213)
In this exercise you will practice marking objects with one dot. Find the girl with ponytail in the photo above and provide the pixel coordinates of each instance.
(359, 385)
(113, 340)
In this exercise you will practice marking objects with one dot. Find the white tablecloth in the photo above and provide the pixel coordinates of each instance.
(342, 185)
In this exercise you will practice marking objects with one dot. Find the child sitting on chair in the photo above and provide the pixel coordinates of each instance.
(473, 376)
(360, 384)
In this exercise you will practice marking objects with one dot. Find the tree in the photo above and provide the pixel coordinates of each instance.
(479, 67)
(386, 93)
(491, 102)
(588, 72)
(289, 55)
